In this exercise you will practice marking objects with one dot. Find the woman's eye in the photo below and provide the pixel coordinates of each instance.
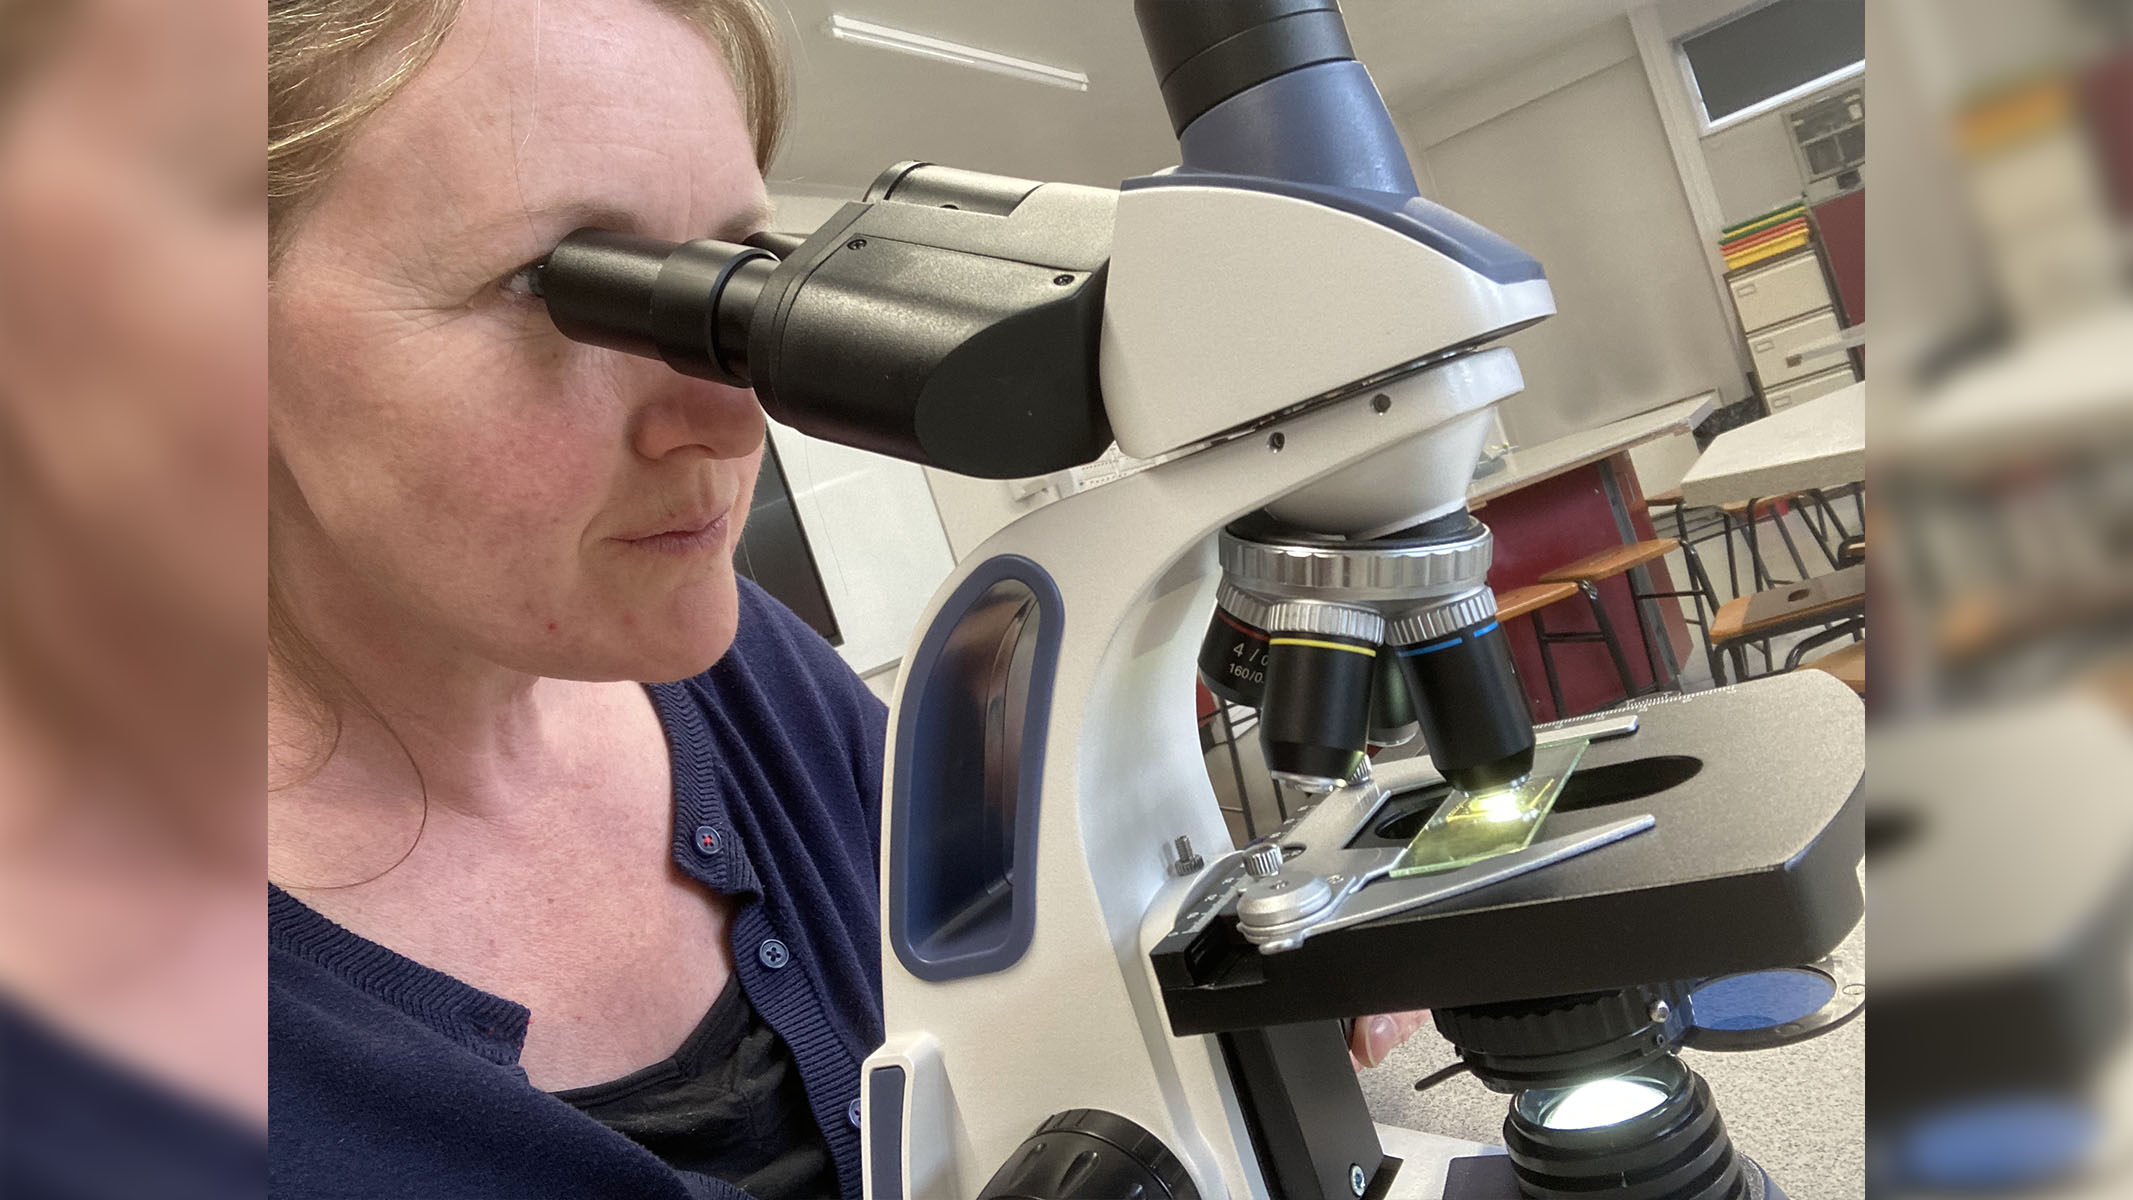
(524, 282)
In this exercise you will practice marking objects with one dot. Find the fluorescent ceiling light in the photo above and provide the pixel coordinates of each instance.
(867, 33)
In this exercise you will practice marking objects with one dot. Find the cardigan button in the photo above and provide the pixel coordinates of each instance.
(773, 953)
(851, 1112)
(707, 840)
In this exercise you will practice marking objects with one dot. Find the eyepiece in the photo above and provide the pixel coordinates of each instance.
(689, 305)
(1205, 51)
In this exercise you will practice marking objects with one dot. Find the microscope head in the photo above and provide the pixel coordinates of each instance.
(1005, 328)
(1288, 259)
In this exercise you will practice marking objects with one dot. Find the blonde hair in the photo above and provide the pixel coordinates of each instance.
(330, 65)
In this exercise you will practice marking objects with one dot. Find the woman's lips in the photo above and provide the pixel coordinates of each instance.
(706, 537)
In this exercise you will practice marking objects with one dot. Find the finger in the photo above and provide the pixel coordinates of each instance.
(1380, 1035)
(1411, 1023)
(1387, 1037)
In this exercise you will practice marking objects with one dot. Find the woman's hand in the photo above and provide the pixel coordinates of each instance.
(1373, 1038)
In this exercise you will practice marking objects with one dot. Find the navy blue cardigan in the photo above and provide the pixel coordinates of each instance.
(389, 1078)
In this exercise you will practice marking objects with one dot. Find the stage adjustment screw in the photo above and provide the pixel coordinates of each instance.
(1263, 860)
(1188, 863)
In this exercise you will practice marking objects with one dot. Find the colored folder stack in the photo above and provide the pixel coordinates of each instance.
(1774, 233)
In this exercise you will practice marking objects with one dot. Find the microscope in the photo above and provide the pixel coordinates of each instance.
(1077, 1003)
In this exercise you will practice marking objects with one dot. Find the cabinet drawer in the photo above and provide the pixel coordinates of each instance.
(1770, 347)
(1801, 391)
(1780, 292)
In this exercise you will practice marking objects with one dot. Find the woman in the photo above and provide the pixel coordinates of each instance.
(537, 932)
(526, 915)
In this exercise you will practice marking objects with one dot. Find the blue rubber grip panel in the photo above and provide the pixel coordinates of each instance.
(885, 1131)
(962, 866)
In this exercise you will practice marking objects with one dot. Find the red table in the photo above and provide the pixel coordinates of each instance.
(1559, 501)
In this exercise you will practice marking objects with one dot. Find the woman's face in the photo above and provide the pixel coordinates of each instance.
(444, 464)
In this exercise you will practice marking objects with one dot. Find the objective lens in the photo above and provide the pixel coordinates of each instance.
(1315, 718)
(1393, 721)
(1233, 654)
(1466, 693)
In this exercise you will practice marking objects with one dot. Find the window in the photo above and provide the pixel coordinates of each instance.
(773, 550)
(1771, 55)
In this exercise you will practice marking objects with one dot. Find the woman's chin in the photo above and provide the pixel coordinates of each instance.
(659, 643)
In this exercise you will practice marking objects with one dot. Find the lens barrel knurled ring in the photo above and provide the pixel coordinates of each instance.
(1247, 608)
(1442, 620)
(1384, 569)
(1332, 620)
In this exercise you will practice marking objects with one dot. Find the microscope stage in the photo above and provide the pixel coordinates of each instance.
(1751, 862)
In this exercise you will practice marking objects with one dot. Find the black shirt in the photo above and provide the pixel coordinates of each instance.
(728, 1104)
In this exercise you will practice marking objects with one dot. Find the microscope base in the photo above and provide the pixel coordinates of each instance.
(1488, 1176)
(1425, 1160)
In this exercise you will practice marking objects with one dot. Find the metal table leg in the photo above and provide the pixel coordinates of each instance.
(1236, 767)
(1640, 578)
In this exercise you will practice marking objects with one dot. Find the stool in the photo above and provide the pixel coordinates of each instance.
(1708, 523)
(1837, 599)
(1750, 512)
(1587, 573)
(1530, 600)
(1825, 504)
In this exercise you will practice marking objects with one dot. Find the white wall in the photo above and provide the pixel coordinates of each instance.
(1752, 164)
(972, 509)
(1581, 175)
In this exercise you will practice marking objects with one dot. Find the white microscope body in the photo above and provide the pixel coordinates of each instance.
(1301, 381)
(1300, 342)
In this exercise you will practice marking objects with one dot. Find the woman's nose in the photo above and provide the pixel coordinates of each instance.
(686, 414)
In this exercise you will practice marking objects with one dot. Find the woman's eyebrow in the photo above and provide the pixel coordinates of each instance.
(749, 221)
(561, 218)
(508, 233)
